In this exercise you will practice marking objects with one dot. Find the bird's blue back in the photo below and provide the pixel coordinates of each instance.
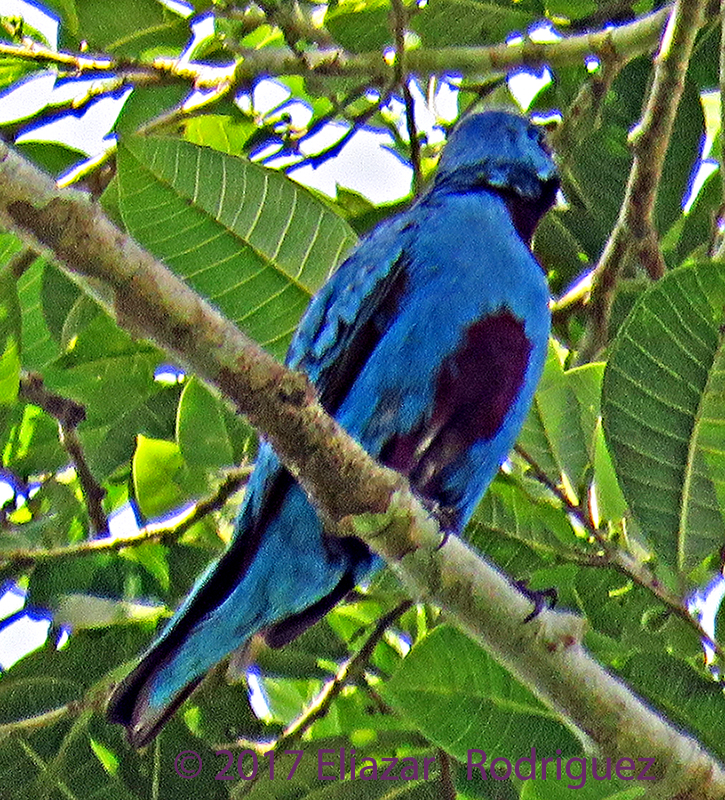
(426, 345)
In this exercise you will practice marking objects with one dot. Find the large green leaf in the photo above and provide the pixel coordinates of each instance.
(201, 434)
(160, 476)
(360, 26)
(112, 376)
(559, 430)
(687, 697)
(10, 326)
(507, 510)
(10, 334)
(461, 699)
(441, 23)
(252, 241)
(46, 298)
(130, 26)
(663, 409)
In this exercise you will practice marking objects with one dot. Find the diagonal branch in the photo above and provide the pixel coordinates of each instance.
(69, 415)
(357, 495)
(635, 235)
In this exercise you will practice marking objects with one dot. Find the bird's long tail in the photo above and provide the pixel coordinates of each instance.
(132, 706)
(278, 577)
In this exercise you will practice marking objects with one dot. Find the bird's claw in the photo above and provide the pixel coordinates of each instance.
(443, 515)
(541, 598)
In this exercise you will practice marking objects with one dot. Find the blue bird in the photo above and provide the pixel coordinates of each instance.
(426, 345)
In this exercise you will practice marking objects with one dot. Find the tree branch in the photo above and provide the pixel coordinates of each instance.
(635, 233)
(622, 44)
(69, 415)
(18, 560)
(356, 495)
(349, 671)
(622, 559)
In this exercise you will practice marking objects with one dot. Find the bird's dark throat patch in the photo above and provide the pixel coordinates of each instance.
(526, 213)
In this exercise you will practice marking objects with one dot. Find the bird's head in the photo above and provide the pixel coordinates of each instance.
(502, 151)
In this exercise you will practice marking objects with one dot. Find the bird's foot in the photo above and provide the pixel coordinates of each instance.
(541, 598)
(445, 516)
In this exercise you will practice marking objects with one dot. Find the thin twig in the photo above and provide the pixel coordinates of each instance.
(47, 718)
(584, 112)
(153, 532)
(334, 149)
(401, 79)
(635, 234)
(619, 558)
(350, 670)
(338, 109)
(227, 88)
(69, 415)
(413, 137)
(347, 673)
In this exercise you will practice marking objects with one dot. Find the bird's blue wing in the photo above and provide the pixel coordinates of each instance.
(280, 573)
(346, 319)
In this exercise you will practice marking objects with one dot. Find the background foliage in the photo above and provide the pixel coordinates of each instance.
(616, 491)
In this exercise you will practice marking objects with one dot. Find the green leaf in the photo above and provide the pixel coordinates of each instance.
(13, 70)
(200, 430)
(40, 343)
(10, 327)
(112, 376)
(595, 172)
(610, 500)
(152, 556)
(52, 157)
(33, 447)
(252, 241)
(507, 510)
(570, 9)
(663, 412)
(558, 432)
(57, 760)
(87, 611)
(129, 26)
(442, 23)
(145, 104)
(158, 475)
(689, 699)
(558, 252)
(220, 132)
(461, 699)
(699, 226)
(360, 26)
(682, 156)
